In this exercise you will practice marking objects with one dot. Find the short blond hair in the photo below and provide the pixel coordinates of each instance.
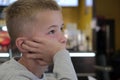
(22, 12)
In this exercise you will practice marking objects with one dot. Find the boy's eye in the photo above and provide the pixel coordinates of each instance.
(51, 32)
(61, 28)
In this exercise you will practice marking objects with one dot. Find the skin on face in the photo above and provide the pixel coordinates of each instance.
(44, 26)
(49, 30)
(50, 24)
(47, 24)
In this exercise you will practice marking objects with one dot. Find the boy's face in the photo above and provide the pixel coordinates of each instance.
(49, 23)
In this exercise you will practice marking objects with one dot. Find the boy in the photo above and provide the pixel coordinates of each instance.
(35, 29)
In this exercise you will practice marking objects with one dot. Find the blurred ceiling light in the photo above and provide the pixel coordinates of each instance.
(66, 3)
(89, 3)
(4, 54)
(80, 54)
(4, 28)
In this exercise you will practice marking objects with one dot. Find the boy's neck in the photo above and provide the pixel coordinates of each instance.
(33, 66)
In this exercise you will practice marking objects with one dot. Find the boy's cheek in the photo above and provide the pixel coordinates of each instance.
(51, 37)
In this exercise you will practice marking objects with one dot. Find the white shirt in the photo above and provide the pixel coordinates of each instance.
(63, 69)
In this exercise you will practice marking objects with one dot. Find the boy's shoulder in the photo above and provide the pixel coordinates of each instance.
(14, 70)
(6, 70)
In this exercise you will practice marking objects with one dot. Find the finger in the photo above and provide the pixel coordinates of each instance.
(29, 48)
(31, 43)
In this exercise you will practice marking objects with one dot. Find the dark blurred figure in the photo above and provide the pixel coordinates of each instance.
(101, 44)
(101, 54)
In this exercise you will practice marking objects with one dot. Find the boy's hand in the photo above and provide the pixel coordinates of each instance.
(42, 49)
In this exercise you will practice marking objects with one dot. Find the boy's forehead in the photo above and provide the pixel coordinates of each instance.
(49, 12)
(49, 17)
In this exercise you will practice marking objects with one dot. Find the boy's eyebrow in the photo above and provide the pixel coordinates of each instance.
(55, 26)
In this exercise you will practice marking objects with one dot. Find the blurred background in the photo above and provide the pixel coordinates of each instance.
(92, 30)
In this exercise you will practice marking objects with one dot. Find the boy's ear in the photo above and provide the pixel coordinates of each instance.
(19, 42)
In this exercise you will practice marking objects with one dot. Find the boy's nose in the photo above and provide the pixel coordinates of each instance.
(62, 39)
